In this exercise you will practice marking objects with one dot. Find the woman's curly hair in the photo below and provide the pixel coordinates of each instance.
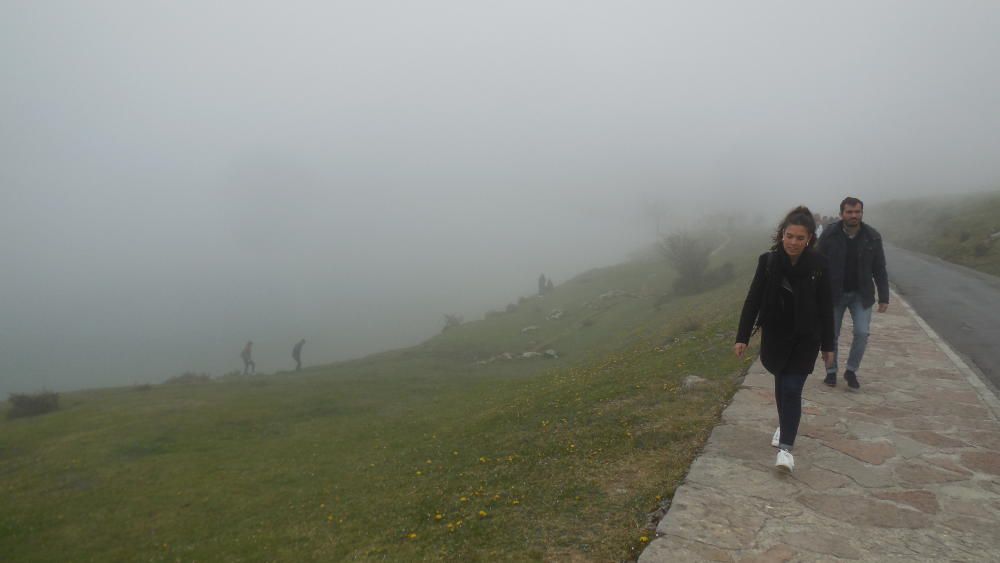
(800, 216)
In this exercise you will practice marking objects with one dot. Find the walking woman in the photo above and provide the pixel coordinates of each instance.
(789, 299)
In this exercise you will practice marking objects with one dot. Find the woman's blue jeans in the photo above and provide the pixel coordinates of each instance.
(862, 318)
(788, 397)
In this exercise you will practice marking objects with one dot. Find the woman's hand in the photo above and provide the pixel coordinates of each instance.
(828, 358)
(739, 348)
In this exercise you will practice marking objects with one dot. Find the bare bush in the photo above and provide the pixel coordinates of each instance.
(22, 404)
(689, 256)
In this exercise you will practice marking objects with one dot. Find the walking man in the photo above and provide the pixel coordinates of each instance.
(247, 355)
(857, 268)
(297, 354)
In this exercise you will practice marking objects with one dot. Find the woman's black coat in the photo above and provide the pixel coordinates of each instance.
(782, 348)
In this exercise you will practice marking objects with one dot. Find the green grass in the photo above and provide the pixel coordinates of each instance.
(356, 460)
(955, 228)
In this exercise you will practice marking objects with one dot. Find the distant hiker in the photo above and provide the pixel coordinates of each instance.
(247, 355)
(819, 224)
(856, 258)
(297, 354)
(541, 284)
(789, 299)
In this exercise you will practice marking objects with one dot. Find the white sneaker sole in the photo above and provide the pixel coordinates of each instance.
(782, 466)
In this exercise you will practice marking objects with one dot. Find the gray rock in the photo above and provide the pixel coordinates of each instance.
(692, 380)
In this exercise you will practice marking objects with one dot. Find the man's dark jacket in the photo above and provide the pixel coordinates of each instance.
(871, 262)
(783, 350)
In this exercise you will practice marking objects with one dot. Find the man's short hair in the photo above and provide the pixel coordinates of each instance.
(852, 201)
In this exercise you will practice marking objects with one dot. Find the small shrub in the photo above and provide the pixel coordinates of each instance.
(451, 321)
(22, 405)
(691, 324)
(188, 378)
(689, 255)
(964, 236)
(981, 249)
(142, 387)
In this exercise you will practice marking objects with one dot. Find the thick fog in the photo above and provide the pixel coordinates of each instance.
(177, 178)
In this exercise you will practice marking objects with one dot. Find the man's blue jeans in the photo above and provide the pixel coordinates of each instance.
(862, 318)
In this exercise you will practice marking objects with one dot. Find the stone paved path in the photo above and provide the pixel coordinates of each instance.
(906, 469)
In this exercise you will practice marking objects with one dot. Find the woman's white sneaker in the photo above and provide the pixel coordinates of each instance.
(785, 461)
(776, 439)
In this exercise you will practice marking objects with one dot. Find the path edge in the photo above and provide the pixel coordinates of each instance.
(972, 376)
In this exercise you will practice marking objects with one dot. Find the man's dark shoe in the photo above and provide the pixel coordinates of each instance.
(831, 379)
(852, 380)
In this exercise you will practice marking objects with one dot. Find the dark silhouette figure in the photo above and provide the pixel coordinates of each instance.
(541, 284)
(297, 354)
(247, 355)
(549, 286)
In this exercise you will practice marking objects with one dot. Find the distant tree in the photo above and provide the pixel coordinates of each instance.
(689, 256)
(452, 321)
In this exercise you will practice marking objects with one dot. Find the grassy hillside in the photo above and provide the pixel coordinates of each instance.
(955, 228)
(420, 453)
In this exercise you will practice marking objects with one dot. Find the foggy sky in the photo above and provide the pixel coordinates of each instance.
(179, 177)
